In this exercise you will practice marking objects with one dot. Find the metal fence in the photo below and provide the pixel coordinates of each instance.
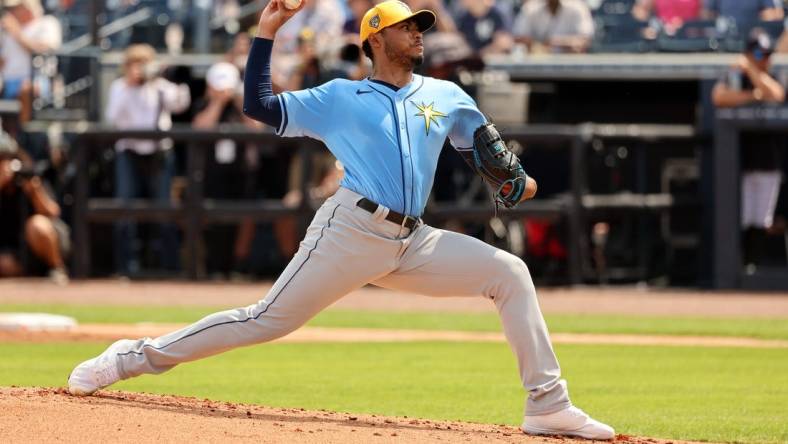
(725, 198)
(195, 212)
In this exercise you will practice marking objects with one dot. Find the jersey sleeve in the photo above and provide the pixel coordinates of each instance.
(308, 112)
(467, 118)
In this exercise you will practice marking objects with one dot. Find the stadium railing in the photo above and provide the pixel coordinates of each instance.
(724, 201)
(195, 212)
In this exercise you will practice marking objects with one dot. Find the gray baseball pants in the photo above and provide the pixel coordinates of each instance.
(345, 248)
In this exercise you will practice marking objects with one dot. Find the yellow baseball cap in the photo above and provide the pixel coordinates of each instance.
(390, 13)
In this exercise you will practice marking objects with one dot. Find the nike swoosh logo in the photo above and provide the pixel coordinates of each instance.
(360, 92)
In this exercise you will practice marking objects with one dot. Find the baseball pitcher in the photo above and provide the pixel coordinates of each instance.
(387, 130)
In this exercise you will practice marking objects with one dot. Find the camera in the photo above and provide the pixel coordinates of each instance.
(150, 71)
(21, 171)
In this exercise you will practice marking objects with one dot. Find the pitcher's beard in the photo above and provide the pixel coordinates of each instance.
(411, 63)
(408, 62)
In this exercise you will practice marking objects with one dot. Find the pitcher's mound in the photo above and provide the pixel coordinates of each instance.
(49, 414)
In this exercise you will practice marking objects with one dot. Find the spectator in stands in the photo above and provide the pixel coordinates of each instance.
(749, 82)
(485, 28)
(141, 99)
(554, 26)
(229, 165)
(26, 31)
(32, 236)
(744, 12)
(672, 13)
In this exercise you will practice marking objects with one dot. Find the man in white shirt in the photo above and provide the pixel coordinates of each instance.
(143, 168)
(554, 26)
(143, 100)
(25, 31)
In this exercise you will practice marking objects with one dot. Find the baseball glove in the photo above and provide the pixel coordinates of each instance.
(498, 166)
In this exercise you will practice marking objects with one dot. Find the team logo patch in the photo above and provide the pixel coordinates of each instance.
(374, 22)
(429, 113)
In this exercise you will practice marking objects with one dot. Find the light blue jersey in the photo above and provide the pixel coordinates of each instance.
(388, 141)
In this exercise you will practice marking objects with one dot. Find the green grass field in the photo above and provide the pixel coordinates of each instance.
(715, 394)
(743, 327)
(712, 394)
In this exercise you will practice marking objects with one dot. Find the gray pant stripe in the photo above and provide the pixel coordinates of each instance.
(249, 318)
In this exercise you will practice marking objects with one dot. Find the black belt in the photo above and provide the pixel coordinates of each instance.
(408, 222)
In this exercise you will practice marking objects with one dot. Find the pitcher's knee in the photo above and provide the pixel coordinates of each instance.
(512, 267)
(273, 324)
(513, 280)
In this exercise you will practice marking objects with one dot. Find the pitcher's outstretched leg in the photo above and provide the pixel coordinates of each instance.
(327, 266)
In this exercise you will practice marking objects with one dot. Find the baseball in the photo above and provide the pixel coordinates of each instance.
(292, 4)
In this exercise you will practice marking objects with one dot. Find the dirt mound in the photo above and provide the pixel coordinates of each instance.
(49, 414)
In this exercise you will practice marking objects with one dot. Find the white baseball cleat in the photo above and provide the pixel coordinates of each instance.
(96, 373)
(570, 421)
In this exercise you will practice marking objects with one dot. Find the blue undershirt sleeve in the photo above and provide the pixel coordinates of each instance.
(260, 103)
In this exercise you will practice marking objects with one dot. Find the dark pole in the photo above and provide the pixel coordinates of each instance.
(576, 222)
(94, 9)
(194, 265)
(725, 221)
(81, 233)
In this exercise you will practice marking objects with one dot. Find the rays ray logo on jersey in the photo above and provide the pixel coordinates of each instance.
(429, 113)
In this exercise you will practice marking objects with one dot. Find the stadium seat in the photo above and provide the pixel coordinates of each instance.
(615, 7)
(624, 36)
(739, 31)
(693, 36)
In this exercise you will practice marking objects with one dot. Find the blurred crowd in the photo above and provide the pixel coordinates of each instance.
(318, 44)
(479, 26)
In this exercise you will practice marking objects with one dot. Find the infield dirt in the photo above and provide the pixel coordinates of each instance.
(49, 414)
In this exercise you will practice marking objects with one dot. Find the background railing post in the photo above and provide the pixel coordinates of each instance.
(726, 175)
(81, 195)
(575, 214)
(194, 264)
